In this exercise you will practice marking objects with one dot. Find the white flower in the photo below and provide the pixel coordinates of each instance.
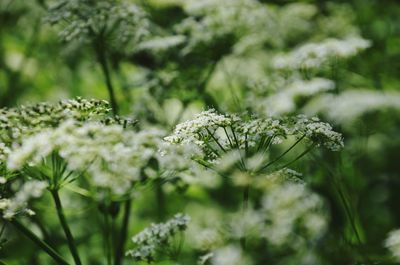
(156, 237)
(315, 55)
(392, 242)
(352, 104)
(18, 203)
(294, 214)
(229, 255)
(320, 133)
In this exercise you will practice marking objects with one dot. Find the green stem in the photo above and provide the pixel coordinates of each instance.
(246, 196)
(216, 140)
(160, 198)
(299, 156)
(64, 224)
(101, 56)
(119, 252)
(107, 236)
(283, 154)
(40, 243)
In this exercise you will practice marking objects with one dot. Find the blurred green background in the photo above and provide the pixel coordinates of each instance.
(161, 83)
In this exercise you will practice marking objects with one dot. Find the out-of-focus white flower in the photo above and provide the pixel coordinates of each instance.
(352, 104)
(160, 44)
(3, 180)
(18, 204)
(392, 243)
(205, 232)
(294, 215)
(205, 258)
(314, 55)
(230, 255)
(248, 224)
(157, 237)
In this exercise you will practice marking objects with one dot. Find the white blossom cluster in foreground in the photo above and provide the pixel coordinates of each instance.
(217, 134)
(106, 157)
(112, 156)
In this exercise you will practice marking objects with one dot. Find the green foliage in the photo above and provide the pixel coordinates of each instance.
(214, 97)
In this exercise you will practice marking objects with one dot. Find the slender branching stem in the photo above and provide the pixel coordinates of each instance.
(299, 156)
(101, 57)
(229, 138)
(39, 242)
(119, 252)
(238, 148)
(348, 209)
(283, 154)
(70, 239)
(216, 140)
(107, 236)
(246, 196)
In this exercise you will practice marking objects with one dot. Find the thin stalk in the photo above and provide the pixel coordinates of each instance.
(160, 197)
(346, 205)
(119, 252)
(216, 140)
(261, 143)
(237, 146)
(347, 209)
(107, 237)
(283, 154)
(246, 195)
(40, 243)
(64, 224)
(101, 56)
(229, 138)
(343, 199)
(299, 156)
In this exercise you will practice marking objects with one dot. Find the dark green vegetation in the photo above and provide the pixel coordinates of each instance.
(160, 62)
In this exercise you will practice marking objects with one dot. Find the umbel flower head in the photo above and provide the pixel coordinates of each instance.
(220, 134)
(157, 237)
(123, 22)
(16, 123)
(111, 156)
(78, 138)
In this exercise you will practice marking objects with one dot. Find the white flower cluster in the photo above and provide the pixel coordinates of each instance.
(195, 129)
(284, 101)
(392, 243)
(218, 134)
(352, 104)
(124, 22)
(229, 19)
(315, 55)
(18, 204)
(111, 156)
(320, 133)
(160, 44)
(293, 214)
(16, 123)
(295, 20)
(114, 157)
(4, 151)
(229, 255)
(156, 237)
